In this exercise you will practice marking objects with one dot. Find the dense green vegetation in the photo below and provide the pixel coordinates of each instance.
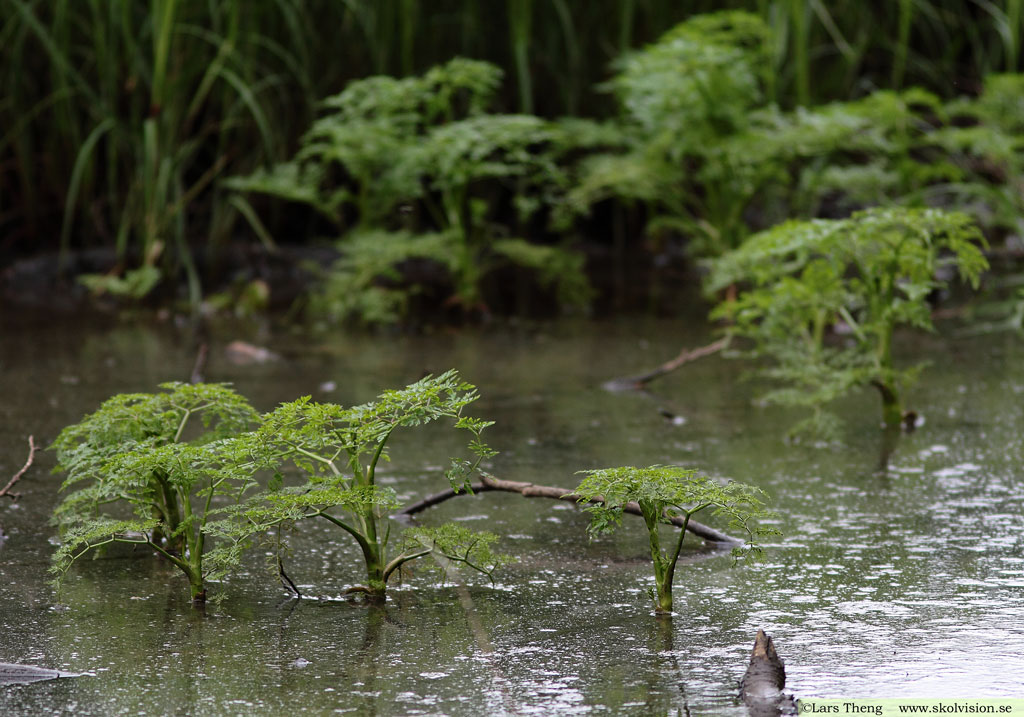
(417, 169)
(122, 120)
(146, 469)
(197, 476)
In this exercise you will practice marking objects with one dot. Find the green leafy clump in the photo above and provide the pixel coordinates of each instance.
(803, 281)
(361, 159)
(704, 156)
(681, 99)
(698, 80)
(197, 476)
(905, 148)
(151, 469)
(415, 169)
(337, 450)
(664, 493)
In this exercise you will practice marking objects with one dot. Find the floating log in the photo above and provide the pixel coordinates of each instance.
(11, 673)
(532, 490)
(762, 685)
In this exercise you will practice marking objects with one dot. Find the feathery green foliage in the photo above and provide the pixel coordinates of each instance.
(458, 545)
(868, 275)
(169, 460)
(337, 450)
(663, 493)
(681, 98)
(698, 80)
(182, 472)
(414, 169)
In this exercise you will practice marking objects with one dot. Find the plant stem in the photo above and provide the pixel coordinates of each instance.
(400, 561)
(662, 569)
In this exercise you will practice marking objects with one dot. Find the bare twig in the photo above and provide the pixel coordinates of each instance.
(31, 455)
(685, 356)
(532, 490)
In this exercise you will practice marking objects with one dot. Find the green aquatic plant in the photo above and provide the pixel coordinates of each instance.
(337, 451)
(510, 155)
(802, 282)
(415, 169)
(697, 80)
(468, 167)
(682, 97)
(197, 476)
(153, 469)
(362, 158)
(664, 493)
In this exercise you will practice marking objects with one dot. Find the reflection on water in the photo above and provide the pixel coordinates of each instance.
(903, 582)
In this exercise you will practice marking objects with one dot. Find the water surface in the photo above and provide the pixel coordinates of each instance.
(903, 583)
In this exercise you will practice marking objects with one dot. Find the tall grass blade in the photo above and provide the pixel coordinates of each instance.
(1013, 21)
(77, 173)
(163, 17)
(244, 208)
(801, 50)
(520, 18)
(899, 64)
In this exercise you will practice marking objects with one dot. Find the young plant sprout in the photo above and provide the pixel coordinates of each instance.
(663, 493)
(867, 275)
(146, 469)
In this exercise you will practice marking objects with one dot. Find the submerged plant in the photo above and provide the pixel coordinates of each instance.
(151, 470)
(337, 451)
(866, 275)
(664, 493)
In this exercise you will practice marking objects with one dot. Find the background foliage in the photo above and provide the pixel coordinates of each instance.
(118, 119)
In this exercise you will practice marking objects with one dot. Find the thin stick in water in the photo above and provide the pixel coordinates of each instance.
(31, 455)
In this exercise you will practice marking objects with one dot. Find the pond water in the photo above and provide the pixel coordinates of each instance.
(902, 583)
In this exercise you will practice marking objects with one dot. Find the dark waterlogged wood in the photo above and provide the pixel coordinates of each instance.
(532, 490)
(762, 685)
(11, 673)
(685, 356)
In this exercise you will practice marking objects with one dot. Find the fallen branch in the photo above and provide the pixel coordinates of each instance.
(31, 455)
(684, 357)
(532, 490)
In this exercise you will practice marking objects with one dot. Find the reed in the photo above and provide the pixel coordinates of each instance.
(899, 64)
(122, 116)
